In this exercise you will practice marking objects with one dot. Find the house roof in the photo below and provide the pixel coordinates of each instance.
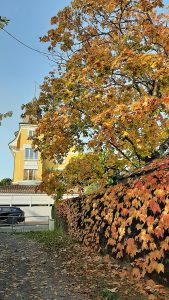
(12, 145)
(19, 189)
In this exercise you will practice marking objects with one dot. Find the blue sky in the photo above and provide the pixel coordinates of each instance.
(20, 67)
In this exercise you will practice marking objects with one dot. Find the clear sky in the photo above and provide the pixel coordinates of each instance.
(20, 67)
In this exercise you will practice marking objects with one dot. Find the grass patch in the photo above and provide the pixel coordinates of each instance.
(106, 294)
(49, 239)
(119, 295)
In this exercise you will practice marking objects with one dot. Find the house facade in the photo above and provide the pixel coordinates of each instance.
(28, 165)
(27, 162)
(27, 174)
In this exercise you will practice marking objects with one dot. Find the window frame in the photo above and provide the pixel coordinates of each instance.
(28, 176)
(30, 154)
(31, 133)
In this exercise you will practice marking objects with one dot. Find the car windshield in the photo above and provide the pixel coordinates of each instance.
(5, 209)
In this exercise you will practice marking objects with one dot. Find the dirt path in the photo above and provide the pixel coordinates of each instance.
(27, 272)
(30, 270)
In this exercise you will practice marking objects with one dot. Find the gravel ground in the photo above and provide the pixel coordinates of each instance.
(29, 272)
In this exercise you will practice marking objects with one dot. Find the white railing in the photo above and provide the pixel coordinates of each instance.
(32, 223)
(25, 199)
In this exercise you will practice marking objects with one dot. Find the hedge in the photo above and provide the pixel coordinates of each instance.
(130, 219)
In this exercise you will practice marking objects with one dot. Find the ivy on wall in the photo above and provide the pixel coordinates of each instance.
(129, 219)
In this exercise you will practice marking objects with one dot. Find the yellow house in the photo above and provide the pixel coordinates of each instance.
(28, 165)
(27, 162)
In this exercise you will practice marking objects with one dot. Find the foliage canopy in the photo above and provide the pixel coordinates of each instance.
(109, 92)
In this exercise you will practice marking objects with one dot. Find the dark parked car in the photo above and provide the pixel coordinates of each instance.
(11, 215)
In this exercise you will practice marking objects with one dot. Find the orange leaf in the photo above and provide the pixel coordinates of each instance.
(136, 273)
(165, 219)
(124, 212)
(159, 232)
(111, 242)
(150, 220)
(154, 206)
(131, 247)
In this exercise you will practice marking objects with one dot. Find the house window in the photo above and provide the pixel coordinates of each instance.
(31, 133)
(30, 154)
(30, 174)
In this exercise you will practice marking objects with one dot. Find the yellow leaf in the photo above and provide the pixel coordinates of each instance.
(125, 133)
(160, 268)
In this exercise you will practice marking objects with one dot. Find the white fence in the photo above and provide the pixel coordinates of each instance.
(32, 204)
(33, 223)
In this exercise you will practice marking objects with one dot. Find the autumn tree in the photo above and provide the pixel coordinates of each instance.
(85, 170)
(109, 90)
(109, 96)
